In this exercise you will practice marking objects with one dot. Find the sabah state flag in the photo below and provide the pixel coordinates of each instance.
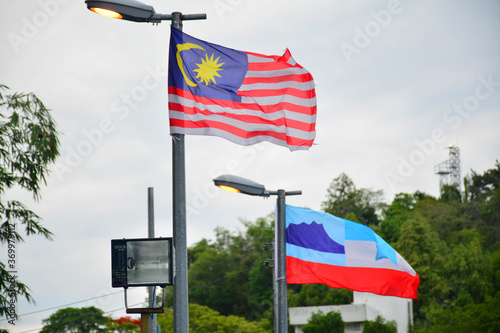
(322, 248)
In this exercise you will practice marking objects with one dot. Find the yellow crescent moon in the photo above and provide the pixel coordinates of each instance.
(184, 47)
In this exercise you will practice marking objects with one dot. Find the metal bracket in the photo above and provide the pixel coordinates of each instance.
(146, 310)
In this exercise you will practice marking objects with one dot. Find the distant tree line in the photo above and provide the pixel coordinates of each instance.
(453, 242)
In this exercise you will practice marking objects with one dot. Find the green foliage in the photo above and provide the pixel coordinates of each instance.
(482, 193)
(84, 320)
(202, 319)
(495, 268)
(379, 325)
(228, 275)
(423, 250)
(397, 213)
(447, 218)
(28, 145)
(467, 268)
(472, 317)
(449, 243)
(317, 294)
(344, 198)
(450, 193)
(28, 142)
(320, 323)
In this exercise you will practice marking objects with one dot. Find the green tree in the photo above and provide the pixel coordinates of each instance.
(344, 198)
(202, 319)
(28, 145)
(473, 317)
(74, 320)
(379, 325)
(424, 251)
(397, 213)
(228, 275)
(450, 193)
(482, 194)
(468, 270)
(447, 218)
(495, 268)
(317, 294)
(320, 323)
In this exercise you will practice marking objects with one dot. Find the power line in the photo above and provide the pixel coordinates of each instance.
(37, 329)
(65, 305)
(123, 308)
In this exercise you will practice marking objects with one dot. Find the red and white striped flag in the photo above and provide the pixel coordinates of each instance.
(243, 97)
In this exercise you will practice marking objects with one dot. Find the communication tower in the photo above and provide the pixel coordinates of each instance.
(449, 170)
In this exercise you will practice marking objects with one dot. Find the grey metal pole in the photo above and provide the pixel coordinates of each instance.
(151, 234)
(281, 278)
(275, 286)
(181, 301)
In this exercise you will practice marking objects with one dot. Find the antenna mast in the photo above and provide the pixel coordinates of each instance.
(449, 170)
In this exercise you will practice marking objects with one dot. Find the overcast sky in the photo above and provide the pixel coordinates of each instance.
(397, 82)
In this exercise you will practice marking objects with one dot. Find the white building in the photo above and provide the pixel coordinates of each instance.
(365, 306)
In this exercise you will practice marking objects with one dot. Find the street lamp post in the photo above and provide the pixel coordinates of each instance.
(136, 11)
(242, 185)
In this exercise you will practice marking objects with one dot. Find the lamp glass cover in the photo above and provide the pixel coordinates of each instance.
(148, 262)
(106, 12)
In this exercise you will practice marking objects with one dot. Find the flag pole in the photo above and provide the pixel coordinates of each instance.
(181, 301)
(151, 234)
(281, 321)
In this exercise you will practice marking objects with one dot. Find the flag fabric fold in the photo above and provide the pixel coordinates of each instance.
(322, 248)
(243, 97)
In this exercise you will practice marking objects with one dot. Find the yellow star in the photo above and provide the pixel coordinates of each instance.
(208, 69)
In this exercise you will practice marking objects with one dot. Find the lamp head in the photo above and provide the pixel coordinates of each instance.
(130, 10)
(240, 185)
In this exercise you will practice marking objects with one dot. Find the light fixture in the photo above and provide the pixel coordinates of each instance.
(241, 185)
(141, 262)
(130, 10)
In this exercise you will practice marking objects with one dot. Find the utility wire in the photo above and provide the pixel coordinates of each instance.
(65, 305)
(37, 329)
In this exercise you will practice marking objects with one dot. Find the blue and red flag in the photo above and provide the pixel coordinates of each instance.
(243, 97)
(322, 248)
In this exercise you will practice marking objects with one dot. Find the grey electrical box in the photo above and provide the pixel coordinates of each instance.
(141, 262)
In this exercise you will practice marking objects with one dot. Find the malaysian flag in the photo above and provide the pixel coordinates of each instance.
(241, 96)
